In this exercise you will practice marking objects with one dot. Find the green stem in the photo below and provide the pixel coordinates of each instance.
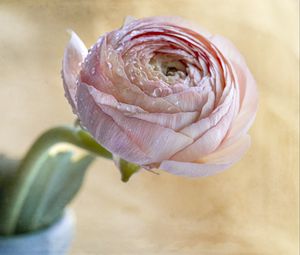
(8, 168)
(29, 169)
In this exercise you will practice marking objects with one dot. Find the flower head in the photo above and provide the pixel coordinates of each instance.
(162, 93)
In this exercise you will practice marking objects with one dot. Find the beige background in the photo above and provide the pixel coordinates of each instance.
(249, 209)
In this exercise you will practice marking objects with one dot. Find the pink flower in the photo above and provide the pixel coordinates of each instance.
(162, 93)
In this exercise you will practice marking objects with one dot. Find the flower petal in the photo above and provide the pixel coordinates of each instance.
(229, 152)
(106, 73)
(210, 165)
(132, 139)
(105, 130)
(156, 141)
(74, 54)
(209, 141)
(102, 98)
(175, 121)
(247, 87)
(248, 105)
(192, 169)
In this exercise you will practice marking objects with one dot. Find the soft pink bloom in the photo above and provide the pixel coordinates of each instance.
(162, 93)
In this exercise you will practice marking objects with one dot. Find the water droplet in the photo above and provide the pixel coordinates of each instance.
(109, 65)
(134, 32)
(119, 71)
(93, 70)
(157, 92)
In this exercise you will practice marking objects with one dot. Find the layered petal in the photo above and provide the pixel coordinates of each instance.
(209, 141)
(104, 129)
(156, 141)
(247, 87)
(216, 162)
(192, 169)
(148, 142)
(74, 55)
(160, 91)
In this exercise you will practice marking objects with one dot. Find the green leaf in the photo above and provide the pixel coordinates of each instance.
(46, 180)
(55, 186)
(58, 178)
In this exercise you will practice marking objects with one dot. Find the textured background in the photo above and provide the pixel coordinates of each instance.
(250, 209)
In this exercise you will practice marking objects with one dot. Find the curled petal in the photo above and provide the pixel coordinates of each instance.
(106, 74)
(104, 129)
(209, 141)
(145, 142)
(229, 152)
(155, 141)
(175, 121)
(192, 169)
(102, 98)
(210, 165)
(74, 54)
(248, 105)
(199, 127)
(246, 84)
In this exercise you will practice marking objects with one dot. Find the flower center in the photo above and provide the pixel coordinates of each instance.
(171, 70)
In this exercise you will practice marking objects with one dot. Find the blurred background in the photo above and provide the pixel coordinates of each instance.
(250, 209)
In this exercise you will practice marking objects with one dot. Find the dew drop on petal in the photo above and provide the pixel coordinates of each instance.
(119, 71)
(134, 32)
(109, 65)
(157, 92)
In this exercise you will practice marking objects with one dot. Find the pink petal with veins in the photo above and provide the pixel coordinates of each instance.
(74, 54)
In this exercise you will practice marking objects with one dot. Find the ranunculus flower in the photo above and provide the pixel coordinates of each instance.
(162, 93)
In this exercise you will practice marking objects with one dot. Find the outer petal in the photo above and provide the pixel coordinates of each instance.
(156, 141)
(105, 130)
(229, 152)
(192, 169)
(75, 53)
(213, 130)
(249, 103)
(247, 87)
(132, 139)
(214, 163)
